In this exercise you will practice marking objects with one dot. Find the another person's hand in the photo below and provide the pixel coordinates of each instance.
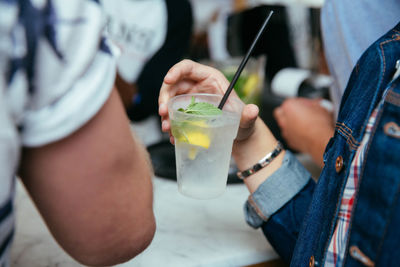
(190, 77)
(305, 125)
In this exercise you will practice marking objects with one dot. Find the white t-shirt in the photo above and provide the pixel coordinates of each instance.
(56, 72)
(349, 27)
(139, 29)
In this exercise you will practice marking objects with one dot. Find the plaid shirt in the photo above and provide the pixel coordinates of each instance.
(337, 245)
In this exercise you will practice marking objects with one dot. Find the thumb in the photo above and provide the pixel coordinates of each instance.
(247, 121)
(249, 116)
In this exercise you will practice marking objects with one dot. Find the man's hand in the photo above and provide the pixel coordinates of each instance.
(305, 125)
(254, 139)
(190, 77)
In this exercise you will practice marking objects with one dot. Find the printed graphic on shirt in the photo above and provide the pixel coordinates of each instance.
(139, 29)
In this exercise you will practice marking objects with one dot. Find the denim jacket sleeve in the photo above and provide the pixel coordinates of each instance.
(279, 204)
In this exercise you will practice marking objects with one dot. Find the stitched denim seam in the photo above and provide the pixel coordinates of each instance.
(348, 139)
(342, 128)
(383, 57)
(349, 130)
(383, 52)
(393, 98)
(347, 136)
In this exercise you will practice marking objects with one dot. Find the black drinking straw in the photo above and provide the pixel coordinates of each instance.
(244, 61)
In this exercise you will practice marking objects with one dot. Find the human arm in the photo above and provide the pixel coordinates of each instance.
(306, 126)
(279, 193)
(93, 189)
(274, 188)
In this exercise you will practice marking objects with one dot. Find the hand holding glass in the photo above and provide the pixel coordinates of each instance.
(203, 144)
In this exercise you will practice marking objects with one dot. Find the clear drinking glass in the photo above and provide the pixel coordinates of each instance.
(203, 144)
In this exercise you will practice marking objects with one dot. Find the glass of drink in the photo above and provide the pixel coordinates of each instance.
(203, 144)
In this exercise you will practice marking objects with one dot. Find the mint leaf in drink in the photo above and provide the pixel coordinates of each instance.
(201, 108)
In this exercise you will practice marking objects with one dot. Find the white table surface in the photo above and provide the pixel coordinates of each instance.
(190, 232)
(193, 232)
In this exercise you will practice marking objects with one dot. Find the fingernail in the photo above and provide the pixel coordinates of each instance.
(160, 108)
(164, 125)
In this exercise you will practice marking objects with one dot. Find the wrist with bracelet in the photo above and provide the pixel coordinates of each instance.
(265, 161)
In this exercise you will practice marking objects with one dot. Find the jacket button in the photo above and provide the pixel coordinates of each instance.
(311, 262)
(339, 164)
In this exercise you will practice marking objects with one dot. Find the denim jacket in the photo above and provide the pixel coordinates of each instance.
(298, 216)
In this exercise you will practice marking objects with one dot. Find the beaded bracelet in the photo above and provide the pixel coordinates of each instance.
(265, 161)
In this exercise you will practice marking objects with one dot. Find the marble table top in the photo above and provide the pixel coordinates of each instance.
(190, 232)
(193, 232)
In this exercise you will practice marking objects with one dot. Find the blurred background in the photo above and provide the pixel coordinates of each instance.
(288, 61)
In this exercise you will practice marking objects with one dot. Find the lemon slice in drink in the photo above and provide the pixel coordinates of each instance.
(198, 139)
(192, 134)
